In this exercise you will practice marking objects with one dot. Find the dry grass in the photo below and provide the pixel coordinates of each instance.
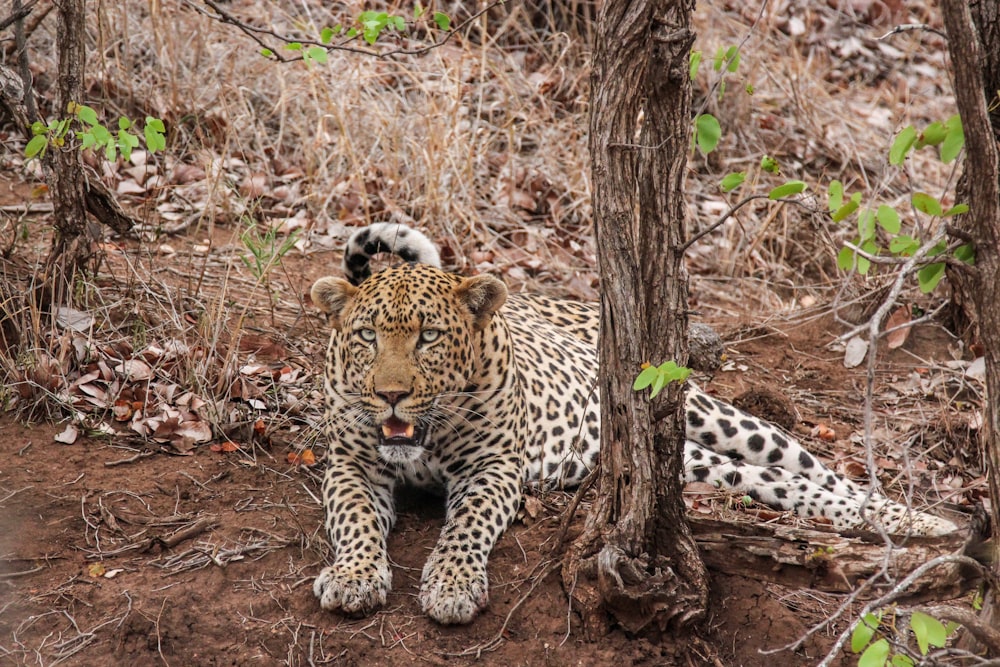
(482, 142)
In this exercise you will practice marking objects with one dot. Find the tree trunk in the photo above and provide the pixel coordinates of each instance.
(71, 248)
(974, 45)
(636, 543)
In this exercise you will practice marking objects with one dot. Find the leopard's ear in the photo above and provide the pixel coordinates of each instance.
(482, 295)
(332, 296)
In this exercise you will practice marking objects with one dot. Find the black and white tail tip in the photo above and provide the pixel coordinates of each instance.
(390, 237)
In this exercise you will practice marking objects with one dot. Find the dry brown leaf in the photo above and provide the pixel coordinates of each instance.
(823, 432)
(68, 436)
(122, 410)
(307, 458)
(532, 506)
(135, 370)
(899, 317)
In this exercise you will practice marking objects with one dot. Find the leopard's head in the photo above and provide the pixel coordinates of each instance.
(404, 340)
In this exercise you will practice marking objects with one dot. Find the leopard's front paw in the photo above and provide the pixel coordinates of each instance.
(454, 594)
(354, 591)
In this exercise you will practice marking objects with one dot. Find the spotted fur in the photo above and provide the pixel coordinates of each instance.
(443, 381)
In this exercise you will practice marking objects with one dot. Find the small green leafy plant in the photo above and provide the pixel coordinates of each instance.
(950, 139)
(658, 377)
(369, 25)
(265, 249)
(93, 135)
(871, 642)
(707, 130)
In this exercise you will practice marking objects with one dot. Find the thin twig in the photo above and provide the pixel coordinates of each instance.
(131, 459)
(910, 27)
(22, 573)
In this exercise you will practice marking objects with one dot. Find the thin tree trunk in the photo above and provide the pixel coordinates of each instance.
(974, 44)
(71, 249)
(636, 543)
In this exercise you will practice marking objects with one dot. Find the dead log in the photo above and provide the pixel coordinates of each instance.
(825, 560)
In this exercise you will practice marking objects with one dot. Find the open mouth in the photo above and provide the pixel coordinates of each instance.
(400, 441)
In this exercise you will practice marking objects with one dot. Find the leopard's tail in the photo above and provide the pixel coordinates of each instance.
(389, 237)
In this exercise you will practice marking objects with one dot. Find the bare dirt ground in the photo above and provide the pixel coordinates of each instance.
(176, 521)
(207, 558)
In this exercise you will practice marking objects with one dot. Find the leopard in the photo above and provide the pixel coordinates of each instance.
(457, 384)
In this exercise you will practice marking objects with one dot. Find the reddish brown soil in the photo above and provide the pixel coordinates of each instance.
(65, 510)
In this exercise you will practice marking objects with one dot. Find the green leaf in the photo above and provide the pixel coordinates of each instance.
(126, 142)
(901, 660)
(932, 135)
(352, 33)
(957, 209)
(36, 146)
(693, 62)
(720, 57)
(154, 134)
(953, 143)
(293, 46)
(770, 165)
(398, 22)
(658, 384)
(926, 203)
(267, 53)
(903, 245)
(722, 88)
(845, 259)
(901, 145)
(966, 253)
(418, 11)
(645, 378)
(835, 195)
(929, 276)
(864, 264)
(863, 632)
(928, 630)
(733, 57)
(442, 20)
(317, 53)
(708, 132)
(875, 655)
(888, 219)
(101, 135)
(786, 189)
(87, 140)
(750, 89)
(326, 35)
(371, 31)
(38, 127)
(732, 181)
(847, 208)
(124, 123)
(951, 627)
(866, 224)
(86, 114)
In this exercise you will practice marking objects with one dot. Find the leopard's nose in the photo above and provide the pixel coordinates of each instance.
(392, 397)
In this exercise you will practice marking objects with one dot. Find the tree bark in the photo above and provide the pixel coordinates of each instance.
(71, 249)
(974, 45)
(636, 543)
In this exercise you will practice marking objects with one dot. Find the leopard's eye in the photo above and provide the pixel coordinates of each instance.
(429, 335)
(367, 335)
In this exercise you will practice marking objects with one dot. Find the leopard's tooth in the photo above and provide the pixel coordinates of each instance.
(409, 430)
(386, 431)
